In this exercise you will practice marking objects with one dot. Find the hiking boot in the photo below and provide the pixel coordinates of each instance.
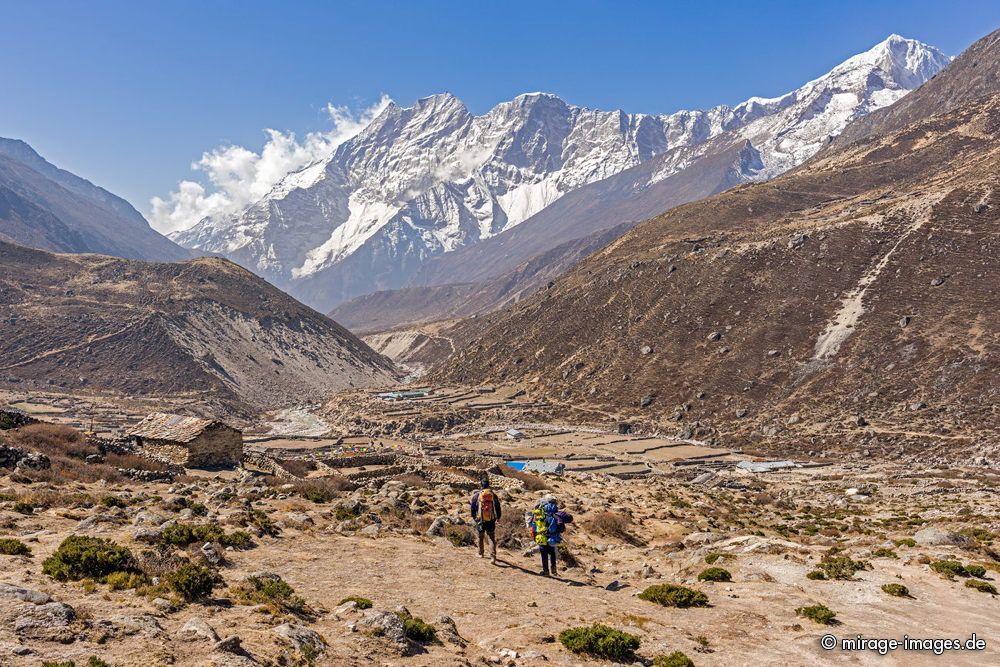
(554, 573)
(493, 561)
(544, 573)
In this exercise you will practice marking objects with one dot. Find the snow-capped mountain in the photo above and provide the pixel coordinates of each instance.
(429, 179)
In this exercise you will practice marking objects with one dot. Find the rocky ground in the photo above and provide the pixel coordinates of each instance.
(405, 545)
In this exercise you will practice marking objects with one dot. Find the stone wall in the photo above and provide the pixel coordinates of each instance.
(217, 445)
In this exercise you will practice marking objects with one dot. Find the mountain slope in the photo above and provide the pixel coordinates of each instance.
(850, 302)
(46, 207)
(415, 305)
(427, 180)
(205, 328)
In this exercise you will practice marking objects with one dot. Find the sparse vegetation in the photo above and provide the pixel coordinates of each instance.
(906, 542)
(675, 659)
(121, 581)
(13, 547)
(896, 590)
(113, 501)
(273, 592)
(816, 575)
(613, 524)
(835, 566)
(183, 534)
(531, 482)
(416, 629)
(949, 569)
(818, 613)
(191, 582)
(82, 557)
(712, 558)
(883, 552)
(22, 507)
(715, 574)
(674, 595)
(981, 586)
(460, 536)
(601, 641)
(362, 603)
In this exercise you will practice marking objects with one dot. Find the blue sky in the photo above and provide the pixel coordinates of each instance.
(128, 94)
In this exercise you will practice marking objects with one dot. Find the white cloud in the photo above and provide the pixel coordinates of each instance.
(237, 176)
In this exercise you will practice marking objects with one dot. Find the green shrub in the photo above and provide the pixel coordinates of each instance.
(22, 507)
(979, 534)
(11, 547)
(113, 501)
(949, 568)
(675, 659)
(896, 590)
(883, 552)
(976, 570)
(817, 575)
(198, 509)
(906, 542)
(363, 603)
(712, 557)
(192, 582)
(981, 586)
(273, 592)
(238, 539)
(715, 574)
(673, 595)
(264, 523)
(601, 641)
(458, 535)
(416, 629)
(341, 513)
(123, 581)
(840, 567)
(93, 661)
(819, 613)
(183, 534)
(81, 557)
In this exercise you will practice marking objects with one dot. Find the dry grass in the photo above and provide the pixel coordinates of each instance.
(614, 525)
(67, 450)
(298, 467)
(531, 482)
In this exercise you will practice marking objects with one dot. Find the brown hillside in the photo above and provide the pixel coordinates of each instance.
(778, 314)
(205, 327)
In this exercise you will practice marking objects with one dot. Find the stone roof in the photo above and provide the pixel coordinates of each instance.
(178, 428)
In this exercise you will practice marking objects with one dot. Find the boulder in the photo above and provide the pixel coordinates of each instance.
(198, 628)
(12, 592)
(936, 537)
(301, 637)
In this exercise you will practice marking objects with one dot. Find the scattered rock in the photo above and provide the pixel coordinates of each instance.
(384, 624)
(934, 537)
(12, 592)
(198, 628)
(301, 637)
(49, 622)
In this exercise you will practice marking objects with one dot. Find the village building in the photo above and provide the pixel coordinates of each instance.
(188, 441)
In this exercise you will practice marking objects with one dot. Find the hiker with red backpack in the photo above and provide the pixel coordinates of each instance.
(485, 506)
(547, 523)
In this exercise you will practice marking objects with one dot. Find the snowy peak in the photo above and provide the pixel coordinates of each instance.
(908, 62)
(431, 178)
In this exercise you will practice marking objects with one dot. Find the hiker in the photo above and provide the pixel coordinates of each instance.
(547, 523)
(486, 511)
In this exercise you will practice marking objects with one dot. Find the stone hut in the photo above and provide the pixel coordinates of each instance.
(188, 441)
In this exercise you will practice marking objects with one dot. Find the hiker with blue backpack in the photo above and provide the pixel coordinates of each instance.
(485, 506)
(547, 523)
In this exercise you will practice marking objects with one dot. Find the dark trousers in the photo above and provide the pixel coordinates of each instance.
(548, 552)
(488, 529)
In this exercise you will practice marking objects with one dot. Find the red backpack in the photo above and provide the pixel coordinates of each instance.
(487, 508)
